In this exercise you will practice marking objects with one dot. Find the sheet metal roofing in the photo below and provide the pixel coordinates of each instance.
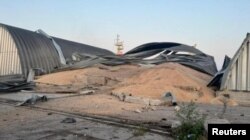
(37, 51)
(70, 47)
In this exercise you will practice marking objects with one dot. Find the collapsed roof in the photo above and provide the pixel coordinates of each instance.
(26, 50)
(216, 81)
(175, 52)
(153, 53)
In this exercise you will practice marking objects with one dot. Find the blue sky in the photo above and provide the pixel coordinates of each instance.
(218, 27)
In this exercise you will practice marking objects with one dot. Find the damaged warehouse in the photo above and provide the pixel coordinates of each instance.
(124, 70)
(234, 77)
(22, 50)
(27, 50)
(36, 50)
(237, 75)
(145, 79)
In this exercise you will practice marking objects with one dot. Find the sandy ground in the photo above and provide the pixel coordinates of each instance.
(106, 105)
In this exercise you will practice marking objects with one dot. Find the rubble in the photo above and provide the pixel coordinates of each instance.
(87, 92)
(169, 98)
(137, 100)
(16, 85)
(69, 120)
(138, 111)
(33, 99)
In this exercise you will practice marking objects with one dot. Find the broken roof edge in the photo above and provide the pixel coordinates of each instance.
(170, 44)
(216, 81)
(57, 47)
(232, 62)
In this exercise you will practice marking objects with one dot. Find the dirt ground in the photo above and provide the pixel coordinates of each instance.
(106, 105)
(25, 124)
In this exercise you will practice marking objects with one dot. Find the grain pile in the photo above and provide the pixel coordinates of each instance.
(185, 83)
(93, 77)
(149, 82)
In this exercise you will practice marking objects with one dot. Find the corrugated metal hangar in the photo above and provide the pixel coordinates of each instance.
(22, 50)
(237, 74)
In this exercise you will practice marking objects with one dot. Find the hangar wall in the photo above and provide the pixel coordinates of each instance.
(22, 50)
(9, 56)
(237, 74)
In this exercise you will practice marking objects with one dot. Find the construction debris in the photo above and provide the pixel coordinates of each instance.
(69, 120)
(169, 97)
(139, 100)
(87, 92)
(138, 111)
(12, 86)
(144, 54)
(33, 100)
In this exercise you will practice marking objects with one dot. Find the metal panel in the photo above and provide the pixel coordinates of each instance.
(238, 78)
(70, 47)
(9, 57)
(233, 79)
(244, 69)
(57, 47)
(248, 67)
